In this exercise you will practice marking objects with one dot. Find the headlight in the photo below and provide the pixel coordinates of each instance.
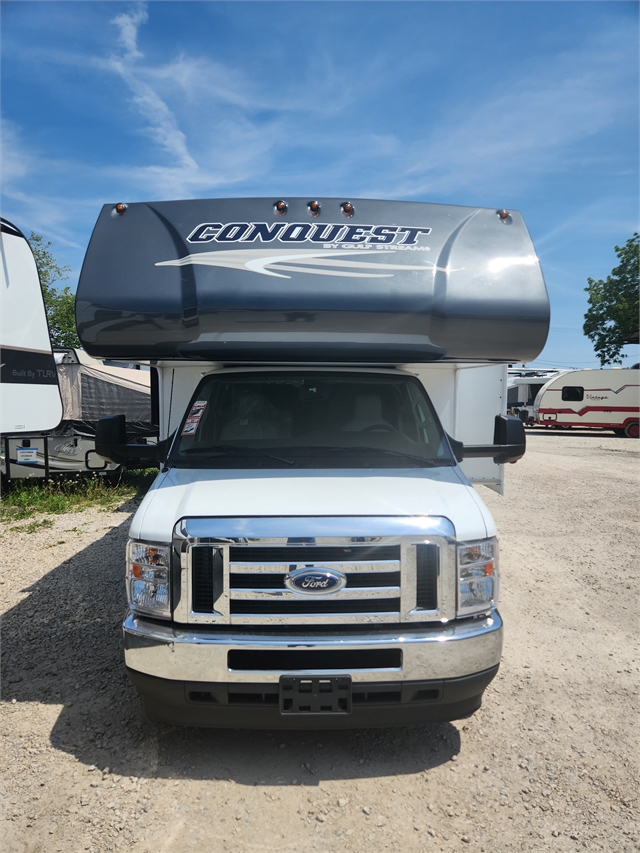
(477, 576)
(148, 579)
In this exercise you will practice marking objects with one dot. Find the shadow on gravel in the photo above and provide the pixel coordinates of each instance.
(62, 645)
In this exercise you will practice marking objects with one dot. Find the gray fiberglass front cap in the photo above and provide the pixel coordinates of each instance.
(246, 280)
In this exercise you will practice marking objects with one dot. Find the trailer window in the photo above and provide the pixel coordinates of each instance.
(572, 394)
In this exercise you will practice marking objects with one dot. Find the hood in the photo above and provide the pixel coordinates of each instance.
(201, 493)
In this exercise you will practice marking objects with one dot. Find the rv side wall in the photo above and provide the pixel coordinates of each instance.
(467, 397)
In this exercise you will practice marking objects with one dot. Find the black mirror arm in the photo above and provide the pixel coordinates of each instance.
(509, 443)
(501, 452)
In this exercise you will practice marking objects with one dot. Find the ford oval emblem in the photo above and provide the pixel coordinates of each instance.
(315, 581)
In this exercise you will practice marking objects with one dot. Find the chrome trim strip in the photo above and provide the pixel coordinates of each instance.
(285, 568)
(439, 650)
(334, 530)
(343, 594)
(333, 620)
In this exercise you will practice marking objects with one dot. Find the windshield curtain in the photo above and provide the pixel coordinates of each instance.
(309, 414)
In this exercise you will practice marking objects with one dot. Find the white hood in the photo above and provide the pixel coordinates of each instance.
(183, 493)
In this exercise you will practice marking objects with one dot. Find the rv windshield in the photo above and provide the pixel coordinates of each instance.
(310, 419)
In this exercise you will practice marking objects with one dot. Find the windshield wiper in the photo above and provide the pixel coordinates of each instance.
(235, 450)
(328, 451)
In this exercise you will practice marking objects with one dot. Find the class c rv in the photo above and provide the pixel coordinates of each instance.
(591, 399)
(332, 379)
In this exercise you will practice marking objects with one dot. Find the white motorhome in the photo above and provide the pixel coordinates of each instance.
(591, 399)
(331, 381)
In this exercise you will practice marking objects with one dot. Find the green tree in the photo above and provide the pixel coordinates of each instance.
(59, 301)
(612, 315)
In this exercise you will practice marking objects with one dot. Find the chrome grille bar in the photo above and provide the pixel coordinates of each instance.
(286, 595)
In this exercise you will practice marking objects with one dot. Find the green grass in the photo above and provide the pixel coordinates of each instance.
(32, 526)
(26, 498)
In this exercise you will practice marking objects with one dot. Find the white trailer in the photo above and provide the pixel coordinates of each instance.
(591, 399)
(50, 402)
(90, 389)
(523, 384)
(29, 392)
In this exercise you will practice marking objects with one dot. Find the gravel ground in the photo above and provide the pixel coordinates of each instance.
(549, 763)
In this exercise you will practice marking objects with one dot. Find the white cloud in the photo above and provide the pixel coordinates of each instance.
(15, 159)
(212, 125)
(162, 123)
(128, 24)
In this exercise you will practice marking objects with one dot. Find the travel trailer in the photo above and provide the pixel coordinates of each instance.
(332, 378)
(50, 402)
(523, 384)
(591, 399)
(90, 389)
(29, 393)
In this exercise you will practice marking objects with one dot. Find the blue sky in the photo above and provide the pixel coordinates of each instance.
(525, 105)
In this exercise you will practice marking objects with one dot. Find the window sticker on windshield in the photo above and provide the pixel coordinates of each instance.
(191, 424)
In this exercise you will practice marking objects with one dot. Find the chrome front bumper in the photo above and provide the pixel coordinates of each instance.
(435, 651)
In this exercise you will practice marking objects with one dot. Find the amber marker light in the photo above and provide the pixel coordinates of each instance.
(281, 207)
(503, 215)
(314, 208)
(121, 209)
(347, 209)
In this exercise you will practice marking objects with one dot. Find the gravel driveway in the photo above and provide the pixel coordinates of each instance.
(550, 762)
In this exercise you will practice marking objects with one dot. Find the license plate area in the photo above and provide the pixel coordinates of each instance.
(315, 694)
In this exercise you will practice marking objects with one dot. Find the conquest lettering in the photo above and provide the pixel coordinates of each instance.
(265, 232)
(301, 232)
(322, 235)
(412, 235)
(204, 233)
(383, 234)
(357, 234)
(233, 232)
(296, 233)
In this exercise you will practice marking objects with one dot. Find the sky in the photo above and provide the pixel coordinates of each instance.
(529, 106)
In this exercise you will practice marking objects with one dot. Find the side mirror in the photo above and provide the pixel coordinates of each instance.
(510, 435)
(111, 444)
(509, 442)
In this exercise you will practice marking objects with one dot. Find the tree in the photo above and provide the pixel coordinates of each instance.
(611, 320)
(58, 301)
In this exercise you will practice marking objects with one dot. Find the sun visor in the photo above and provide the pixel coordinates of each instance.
(248, 280)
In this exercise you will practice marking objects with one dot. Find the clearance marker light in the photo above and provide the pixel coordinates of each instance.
(503, 215)
(121, 209)
(347, 209)
(314, 208)
(281, 207)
